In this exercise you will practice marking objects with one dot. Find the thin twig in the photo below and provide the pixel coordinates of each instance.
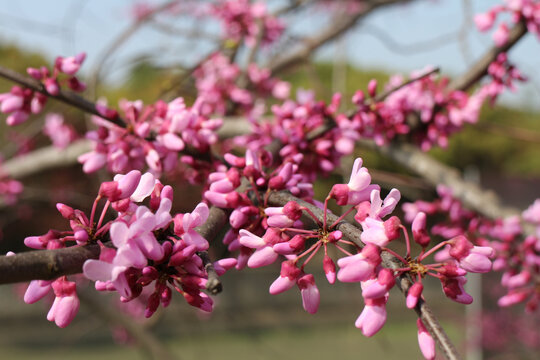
(65, 96)
(119, 41)
(345, 23)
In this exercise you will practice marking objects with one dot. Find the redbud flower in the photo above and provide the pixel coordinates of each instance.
(357, 190)
(376, 288)
(419, 231)
(414, 293)
(425, 341)
(471, 258)
(453, 288)
(329, 269)
(310, 293)
(264, 253)
(373, 317)
(361, 266)
(65, 305)
(287, 278)
(501, 35)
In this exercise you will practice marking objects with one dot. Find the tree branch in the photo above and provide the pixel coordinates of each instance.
(45, 264)
(51, 264)
(479, 69)
(482, 201)
(345, 23)
(65, 96)
(44, 159)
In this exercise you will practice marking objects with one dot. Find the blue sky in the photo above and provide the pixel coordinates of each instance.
(427, 31)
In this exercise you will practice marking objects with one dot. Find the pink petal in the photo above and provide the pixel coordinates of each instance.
(262, 257)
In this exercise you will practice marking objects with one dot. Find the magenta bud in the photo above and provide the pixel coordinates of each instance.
(66, 211)
(372, 88)
(329, 269)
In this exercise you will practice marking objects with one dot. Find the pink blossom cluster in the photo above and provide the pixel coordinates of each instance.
(148, 246)
(10, 189)
(503, 75)
(216, 82)
(441, 113)
(19, 103)
(242, 20)
(527, 11)
(297, 126)
(226, 191)
(516, 255)
(262, 239)
(60, 133)
(150, 135)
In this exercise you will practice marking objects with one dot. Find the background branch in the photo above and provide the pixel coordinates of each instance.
(479, 69)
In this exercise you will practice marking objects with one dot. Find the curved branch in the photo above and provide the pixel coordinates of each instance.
(43, 159)
(345, 23)
(65, 96)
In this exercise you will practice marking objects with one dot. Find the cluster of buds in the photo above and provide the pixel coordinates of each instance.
(503, 76)
(382, 120)
(151, 135)
(516, 255)
(243, 20)
(216, 82)
(249, 213)
(527, 11)
(60, 133)
(19, 103)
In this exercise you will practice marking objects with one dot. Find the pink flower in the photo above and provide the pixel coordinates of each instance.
(501, 35)
(357, 190)
(192, 220)
(377, 288)
(484, 21)
(70, 65)
(283, 217)
(359, 267)
(65, 305)
(471, 258)
(453, 288)
(414, 293)
(310, 293)
(380, 232)
(287, 278)
(37, 289)
(419, 231)
(373, 317)
(425, 341)
(329, 269)
(264, 253)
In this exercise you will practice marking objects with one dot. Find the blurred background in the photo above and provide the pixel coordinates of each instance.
(502, 152)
